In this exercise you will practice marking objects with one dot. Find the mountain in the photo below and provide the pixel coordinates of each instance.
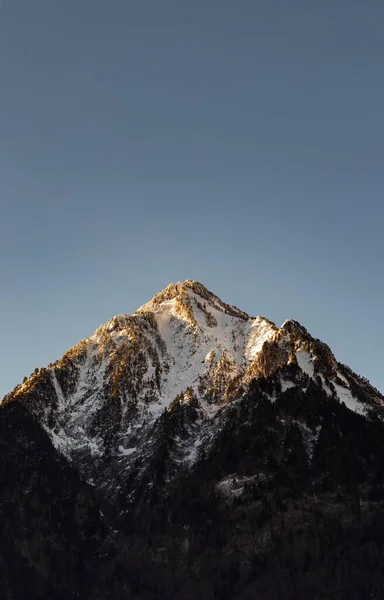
(212, 455)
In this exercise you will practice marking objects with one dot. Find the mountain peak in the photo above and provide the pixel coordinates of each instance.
(183, 293)
(185, 343)
(190, 403)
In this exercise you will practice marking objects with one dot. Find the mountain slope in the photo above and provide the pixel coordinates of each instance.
(51, 526)
(183, 344)
(221, 449)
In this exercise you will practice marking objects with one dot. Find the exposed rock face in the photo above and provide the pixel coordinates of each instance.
(188, 451)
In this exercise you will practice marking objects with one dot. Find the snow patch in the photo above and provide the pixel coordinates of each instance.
(305, 362)
(259, 331)
(126, 451)
(350, 402)
(286, 385)
(326, 387)
(59, 393)
(341, 376)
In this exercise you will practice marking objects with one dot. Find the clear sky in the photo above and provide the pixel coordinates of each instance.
(237, 143)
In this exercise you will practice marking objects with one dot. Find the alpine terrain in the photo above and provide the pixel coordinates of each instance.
(190, 451)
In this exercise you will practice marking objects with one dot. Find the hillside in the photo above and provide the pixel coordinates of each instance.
(213, 455)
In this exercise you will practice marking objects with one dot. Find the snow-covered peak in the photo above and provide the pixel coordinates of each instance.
(185, 345)
(182, 293)
(209, 343)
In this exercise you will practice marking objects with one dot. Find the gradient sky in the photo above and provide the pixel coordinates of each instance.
(236, 143)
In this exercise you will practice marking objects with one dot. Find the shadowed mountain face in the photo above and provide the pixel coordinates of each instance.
(51, 525)
(192, 451)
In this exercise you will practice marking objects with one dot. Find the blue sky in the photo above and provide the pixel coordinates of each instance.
(236, 143)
